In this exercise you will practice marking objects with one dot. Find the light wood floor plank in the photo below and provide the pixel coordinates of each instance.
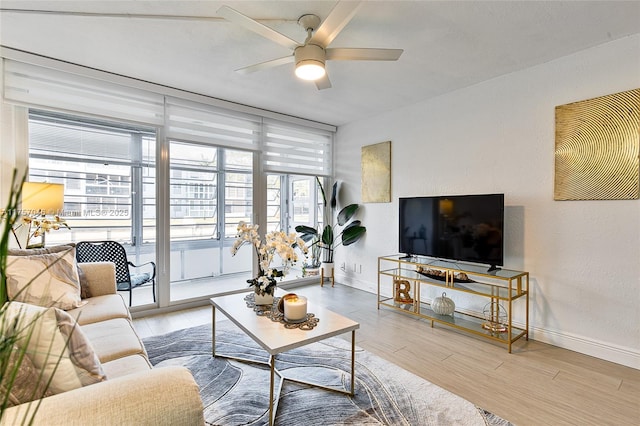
(538, 384)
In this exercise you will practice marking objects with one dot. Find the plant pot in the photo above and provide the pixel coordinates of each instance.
(311, 272)
(265, 299)
(327, 269)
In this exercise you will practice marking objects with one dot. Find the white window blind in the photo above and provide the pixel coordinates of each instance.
(54, 135)
(295, 149)
(36, 86)
(196, 122)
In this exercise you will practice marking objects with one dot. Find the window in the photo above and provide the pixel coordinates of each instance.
(103, 166)
(110, 170)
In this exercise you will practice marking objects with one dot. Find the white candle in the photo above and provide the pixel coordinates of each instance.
(295, 307)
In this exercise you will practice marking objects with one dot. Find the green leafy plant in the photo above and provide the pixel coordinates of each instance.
(343, 231)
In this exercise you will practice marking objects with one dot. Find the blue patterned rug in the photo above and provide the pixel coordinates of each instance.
(237, 393)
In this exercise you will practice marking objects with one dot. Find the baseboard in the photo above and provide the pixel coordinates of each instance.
(606, 351)
(609, 352)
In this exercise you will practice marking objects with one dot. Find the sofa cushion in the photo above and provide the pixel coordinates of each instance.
(46, 279)
(113, 339)
(126, 365)
(101, 308)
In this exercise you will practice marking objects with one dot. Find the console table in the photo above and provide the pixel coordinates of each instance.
(401, 278)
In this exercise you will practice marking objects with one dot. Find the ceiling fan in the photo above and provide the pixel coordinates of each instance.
(310, 57)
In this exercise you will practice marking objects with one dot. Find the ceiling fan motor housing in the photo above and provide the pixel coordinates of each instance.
(310, 52)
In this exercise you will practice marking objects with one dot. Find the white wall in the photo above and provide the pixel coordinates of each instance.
(498, 136)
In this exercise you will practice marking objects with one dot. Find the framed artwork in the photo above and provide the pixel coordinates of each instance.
(376, 173)
(597, 152)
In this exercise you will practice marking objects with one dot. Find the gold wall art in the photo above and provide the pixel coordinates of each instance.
(376, 173)
(597, 154)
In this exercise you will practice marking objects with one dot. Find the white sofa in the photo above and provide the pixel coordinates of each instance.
(134, 393)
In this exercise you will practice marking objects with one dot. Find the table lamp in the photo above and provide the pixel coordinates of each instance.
(40, 199)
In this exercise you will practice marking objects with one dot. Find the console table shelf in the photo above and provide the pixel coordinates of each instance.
(496, 287)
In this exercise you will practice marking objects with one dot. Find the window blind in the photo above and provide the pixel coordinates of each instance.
(295, 149)
(55, 135)
(196, 122)
(37, 86)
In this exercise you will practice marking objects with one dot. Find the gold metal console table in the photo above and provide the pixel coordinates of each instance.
(402, 280)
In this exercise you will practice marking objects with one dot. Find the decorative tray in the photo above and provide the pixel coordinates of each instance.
(438, 275)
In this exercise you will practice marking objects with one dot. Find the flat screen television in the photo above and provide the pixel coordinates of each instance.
(457, 227)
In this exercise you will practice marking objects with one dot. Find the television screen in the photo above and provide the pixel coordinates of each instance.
(458, 227)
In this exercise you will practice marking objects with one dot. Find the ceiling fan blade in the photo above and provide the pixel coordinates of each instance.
(356, 54)
(266, 65)
(323, 83)
(255, 26)
(110, 15)
(337, 19)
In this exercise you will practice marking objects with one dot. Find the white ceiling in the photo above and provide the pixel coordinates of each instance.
(447, 45)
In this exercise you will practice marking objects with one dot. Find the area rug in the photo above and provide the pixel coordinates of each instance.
(237, 393)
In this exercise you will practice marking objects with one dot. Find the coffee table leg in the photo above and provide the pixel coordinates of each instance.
(353, 361)
(213, 330)
(272, 365)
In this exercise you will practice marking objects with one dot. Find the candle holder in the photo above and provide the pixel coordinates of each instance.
(275, 313)
(294, 308)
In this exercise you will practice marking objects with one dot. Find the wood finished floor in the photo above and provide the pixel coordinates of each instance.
(537, 384)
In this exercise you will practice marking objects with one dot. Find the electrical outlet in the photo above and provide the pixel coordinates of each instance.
(343, 267)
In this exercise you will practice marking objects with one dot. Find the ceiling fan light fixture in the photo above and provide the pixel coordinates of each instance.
(310, 62)
(310, 70)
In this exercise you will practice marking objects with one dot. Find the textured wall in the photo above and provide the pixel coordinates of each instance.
(498, 136)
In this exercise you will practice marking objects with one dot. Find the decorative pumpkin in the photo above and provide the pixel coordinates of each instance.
(443, 305)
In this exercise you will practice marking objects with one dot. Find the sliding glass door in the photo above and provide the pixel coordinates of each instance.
(210, 192)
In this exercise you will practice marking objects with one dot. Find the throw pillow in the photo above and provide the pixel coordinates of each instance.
(84, 285)
(27, 384)
(47, 279)
(39, 336)
(81, 352)
(85, 293)
(44, 250)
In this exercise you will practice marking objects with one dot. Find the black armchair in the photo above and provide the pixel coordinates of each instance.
(111, 251)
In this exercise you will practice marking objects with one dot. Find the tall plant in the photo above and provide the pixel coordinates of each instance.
(342, 231)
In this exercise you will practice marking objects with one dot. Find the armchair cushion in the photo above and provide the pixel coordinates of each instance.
(136, 280)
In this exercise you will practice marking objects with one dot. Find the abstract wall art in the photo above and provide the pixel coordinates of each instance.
(376, 173)
(597, 152)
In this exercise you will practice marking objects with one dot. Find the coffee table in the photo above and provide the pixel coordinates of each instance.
(274, 338)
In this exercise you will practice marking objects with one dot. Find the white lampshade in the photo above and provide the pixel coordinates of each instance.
(310, 70)
(40, 197)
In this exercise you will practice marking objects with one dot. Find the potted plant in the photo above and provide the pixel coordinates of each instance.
(343, 231)
(276, 242)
